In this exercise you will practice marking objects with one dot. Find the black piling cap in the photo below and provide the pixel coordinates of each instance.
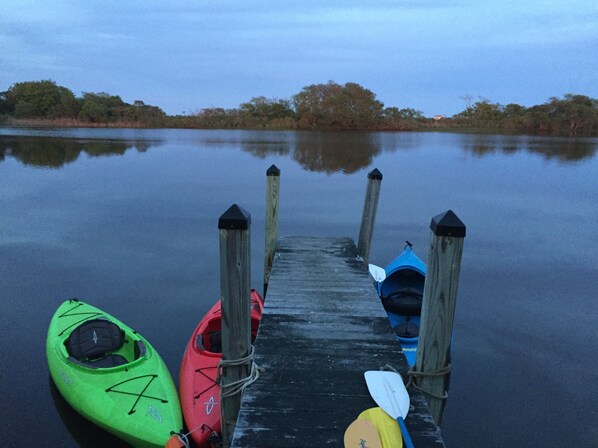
(375, 174)
(273, 171)
(447, 224)
(235, 218)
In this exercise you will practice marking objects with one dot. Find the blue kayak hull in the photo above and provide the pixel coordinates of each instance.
(401, 293)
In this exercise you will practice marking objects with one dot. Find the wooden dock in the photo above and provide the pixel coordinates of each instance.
(323, 327)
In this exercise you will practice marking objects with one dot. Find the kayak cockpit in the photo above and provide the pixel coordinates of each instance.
(402, 292)
(100, 343)
(210, 338)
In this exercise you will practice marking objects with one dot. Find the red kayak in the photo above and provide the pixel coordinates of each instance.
(199, 391)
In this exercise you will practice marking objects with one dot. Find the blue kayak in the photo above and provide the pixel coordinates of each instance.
(400, 287)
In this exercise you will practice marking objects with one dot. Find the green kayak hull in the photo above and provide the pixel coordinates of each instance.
(135, 400)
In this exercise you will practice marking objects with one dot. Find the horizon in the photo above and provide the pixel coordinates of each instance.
(421, 55)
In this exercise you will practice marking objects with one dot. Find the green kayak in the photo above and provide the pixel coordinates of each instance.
(111, 375)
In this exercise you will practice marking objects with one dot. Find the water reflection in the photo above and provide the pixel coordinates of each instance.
(563, 150)
(327, 152)
(330, 153)
(263, 149)
(52, 152)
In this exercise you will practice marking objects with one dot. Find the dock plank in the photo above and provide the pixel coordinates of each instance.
(323, 326)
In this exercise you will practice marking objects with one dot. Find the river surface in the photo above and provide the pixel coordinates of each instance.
(127, 220)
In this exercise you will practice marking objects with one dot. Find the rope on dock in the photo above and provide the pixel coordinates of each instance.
(412, 373)
(236, 387)
(440, 372)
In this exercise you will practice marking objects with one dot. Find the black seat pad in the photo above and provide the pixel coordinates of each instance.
(94, 339)
(406, 302)
(108, 361)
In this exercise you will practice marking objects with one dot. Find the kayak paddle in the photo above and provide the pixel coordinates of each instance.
(362, 434)
(389, 392)
(388, 430)
(377, 273)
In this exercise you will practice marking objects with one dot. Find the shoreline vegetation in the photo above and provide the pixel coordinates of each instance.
(328, 106)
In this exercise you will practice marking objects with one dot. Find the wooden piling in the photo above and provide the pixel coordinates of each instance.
(235, 290)
(432, 365)
(368, 218)
(271, 236)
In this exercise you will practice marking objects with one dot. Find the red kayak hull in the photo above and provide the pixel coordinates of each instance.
(198, 390)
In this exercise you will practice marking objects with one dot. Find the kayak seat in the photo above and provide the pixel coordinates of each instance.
(94, 339)
(215, 342)
(212, 341)
(405, 301)
(107, 362)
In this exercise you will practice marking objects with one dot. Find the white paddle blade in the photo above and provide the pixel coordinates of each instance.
(377, 273)
(389, 392)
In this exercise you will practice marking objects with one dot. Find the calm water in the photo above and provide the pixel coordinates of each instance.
(127, 220)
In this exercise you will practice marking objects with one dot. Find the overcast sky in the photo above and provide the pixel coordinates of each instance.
(184, 55)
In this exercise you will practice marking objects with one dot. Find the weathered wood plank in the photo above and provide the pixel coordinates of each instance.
(323, 327)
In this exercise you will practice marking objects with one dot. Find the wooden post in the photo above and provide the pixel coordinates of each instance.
(368, 218)
(438, 309)
(272, 190)
(235, 289)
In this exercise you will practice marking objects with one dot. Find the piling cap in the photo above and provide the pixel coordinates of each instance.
(273, 171)
(447, 224)
(375, 174)
(235, 218)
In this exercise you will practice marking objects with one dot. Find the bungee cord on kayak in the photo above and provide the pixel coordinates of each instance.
(214, 383)
(138, 395)
(69, 313)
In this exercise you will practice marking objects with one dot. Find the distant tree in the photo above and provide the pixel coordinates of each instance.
(102, 107)
(143, 115)
(3, 105)
(401, 119)
(331, 105)
(513, 117)
(40, 99)
(212, 118)
(536, 120)
(358, 107)
(573, 115)
(309, 103)
(260, 111)
(482, 110)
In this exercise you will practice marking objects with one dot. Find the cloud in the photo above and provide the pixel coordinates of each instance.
(225, 51)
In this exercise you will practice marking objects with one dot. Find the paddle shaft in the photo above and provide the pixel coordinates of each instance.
(405, 433)
(398, 412)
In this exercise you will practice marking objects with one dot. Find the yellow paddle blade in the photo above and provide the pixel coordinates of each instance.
(362, 434)
(388, 430)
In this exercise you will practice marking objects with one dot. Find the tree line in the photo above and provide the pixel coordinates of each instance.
(328, 106)
(572, 115)
(44, 100)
